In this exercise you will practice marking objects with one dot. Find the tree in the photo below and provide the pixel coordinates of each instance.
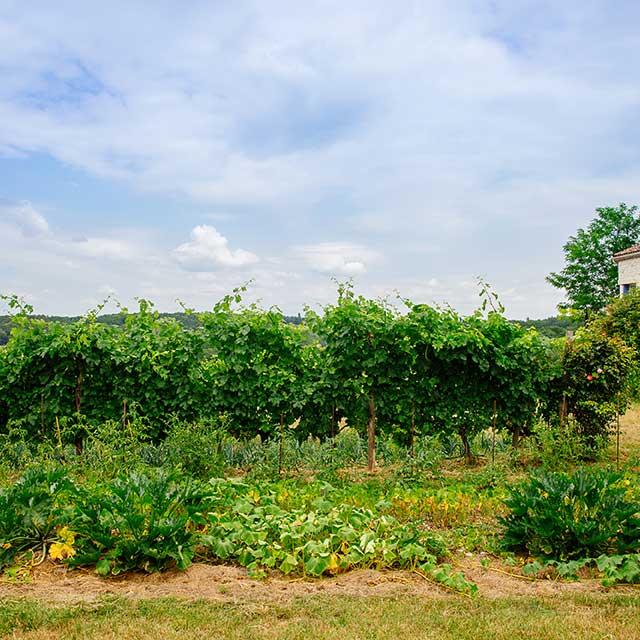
(362, 353)
(622, 319)
(594, 381)
(260, 368)
(590, 277)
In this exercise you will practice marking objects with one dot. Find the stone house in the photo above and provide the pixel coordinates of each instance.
(628, 262)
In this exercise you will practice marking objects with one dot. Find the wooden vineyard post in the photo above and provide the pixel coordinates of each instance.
(58, 434)
(333, 422)
(78, 403)
(125, 425)
(493, 429)
(281, 447)
(59, 439)
(413, 437)
(618, 442)
(371, 435)
(564, 410)
(42, 413)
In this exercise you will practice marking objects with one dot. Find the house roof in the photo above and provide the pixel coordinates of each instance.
(627, 253)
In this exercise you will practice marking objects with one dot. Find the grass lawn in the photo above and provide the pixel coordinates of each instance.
(322, 617)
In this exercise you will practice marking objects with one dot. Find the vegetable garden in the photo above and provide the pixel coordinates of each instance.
(370, 435)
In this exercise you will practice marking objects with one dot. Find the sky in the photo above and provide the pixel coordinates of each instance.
(173, 151)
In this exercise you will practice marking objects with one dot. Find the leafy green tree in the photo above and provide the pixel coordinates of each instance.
(361, 353)
(259, 365)
(157, 366)
(462, 365)
(590, 277)
(622, 319)
(52, 370)
(522, 363)
(592, 384)
(416, 381)
(85, 372)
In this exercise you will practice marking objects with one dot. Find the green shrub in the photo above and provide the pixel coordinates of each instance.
(597, 370)
(31, 510)
(111, 446)
(425, 457)
(555, 447)
(564, 516)
(621, 319)
(197, 448)
(136, 522)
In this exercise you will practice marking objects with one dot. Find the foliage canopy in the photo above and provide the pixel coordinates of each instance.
(421, 372)
(590, 277)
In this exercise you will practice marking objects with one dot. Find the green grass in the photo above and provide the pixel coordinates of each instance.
(346, 618)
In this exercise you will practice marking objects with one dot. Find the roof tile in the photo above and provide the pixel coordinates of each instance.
(628, 251)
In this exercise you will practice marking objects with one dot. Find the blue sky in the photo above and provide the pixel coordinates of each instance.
(175, 150)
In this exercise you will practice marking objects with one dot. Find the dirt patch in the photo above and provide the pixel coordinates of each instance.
(53, 583)
(209, 582)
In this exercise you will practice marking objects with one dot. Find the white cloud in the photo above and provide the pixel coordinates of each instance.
(109, 248)
(208, 250)
(24, 216)
(337, 258)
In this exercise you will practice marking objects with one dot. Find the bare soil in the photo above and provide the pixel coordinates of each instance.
(221, 583)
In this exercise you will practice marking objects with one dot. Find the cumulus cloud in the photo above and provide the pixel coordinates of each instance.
(208, 250)
(25, 217)
(337, 258)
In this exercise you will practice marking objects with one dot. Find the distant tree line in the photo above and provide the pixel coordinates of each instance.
(553, 327)
(187, 320)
